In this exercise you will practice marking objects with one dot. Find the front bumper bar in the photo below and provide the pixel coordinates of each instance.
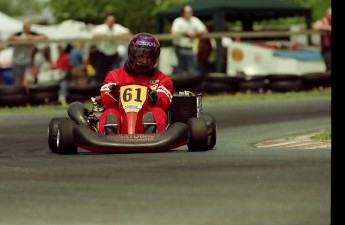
(175, 136)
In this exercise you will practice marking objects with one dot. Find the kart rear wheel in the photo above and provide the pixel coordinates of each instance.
(211, 126)
(52, 132)
(64, 138)
(213, 140)
(197, 134)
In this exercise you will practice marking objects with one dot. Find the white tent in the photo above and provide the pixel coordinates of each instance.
(8, 26)
(69, 29)
(66, 29)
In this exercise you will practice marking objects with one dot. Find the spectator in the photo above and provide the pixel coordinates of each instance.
(190, 27)
(206, 55)
(325, 26)
(41, 62)
(23, 53)
(63, 64)
(92, 56)
(107, 53)
(79, 60)
(205, 50)
(6, 66)
(143, 53)
(203, 55)
(77, 56)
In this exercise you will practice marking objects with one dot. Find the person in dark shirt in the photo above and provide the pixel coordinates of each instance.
(23, 53)
(325, 26)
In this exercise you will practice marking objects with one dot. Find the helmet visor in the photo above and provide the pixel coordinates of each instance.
(144, 57)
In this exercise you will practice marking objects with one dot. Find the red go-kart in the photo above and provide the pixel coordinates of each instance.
(186, 125)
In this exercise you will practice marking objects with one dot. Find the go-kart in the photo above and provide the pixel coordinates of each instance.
(186, 125)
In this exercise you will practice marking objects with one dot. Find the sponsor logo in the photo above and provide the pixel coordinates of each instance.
(153, 81)
(145, 43)
(134, 138)
(154, 87)
(137, 107)
(237, 54)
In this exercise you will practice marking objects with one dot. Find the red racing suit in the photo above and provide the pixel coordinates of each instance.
(159, 82)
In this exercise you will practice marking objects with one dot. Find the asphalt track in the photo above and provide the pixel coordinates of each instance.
(236, 183)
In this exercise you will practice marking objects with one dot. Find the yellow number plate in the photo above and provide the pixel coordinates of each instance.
(133, 97)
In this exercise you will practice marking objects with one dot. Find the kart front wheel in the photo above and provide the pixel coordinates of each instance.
(52, 132)
(64, 138)
(197, 134)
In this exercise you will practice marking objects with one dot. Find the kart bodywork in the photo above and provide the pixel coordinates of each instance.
(186, 125)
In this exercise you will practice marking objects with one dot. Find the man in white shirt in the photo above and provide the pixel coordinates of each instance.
(190, 27)
(107, 56)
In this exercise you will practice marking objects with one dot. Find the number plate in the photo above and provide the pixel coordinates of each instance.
(133, 97)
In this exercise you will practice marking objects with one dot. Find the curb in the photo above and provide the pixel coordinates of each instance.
(300, 141)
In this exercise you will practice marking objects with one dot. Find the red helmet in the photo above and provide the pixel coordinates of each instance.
(143, 43)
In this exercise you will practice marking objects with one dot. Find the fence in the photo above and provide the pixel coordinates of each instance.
(213, 83)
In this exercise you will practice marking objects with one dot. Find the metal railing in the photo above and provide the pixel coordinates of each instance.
(167, 37)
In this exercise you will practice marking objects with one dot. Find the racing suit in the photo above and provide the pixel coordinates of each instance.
(156, 81)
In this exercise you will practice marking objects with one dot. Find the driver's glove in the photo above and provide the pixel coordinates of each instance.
(153, 97)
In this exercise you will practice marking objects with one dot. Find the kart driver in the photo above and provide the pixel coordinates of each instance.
(139, 68)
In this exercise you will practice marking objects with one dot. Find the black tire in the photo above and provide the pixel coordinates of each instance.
(186, 80)
(64, 138)
(286, 86)
(222, 78)
(38, 98)
(12, 89)
(212, 139)
(253, 78)
(197, 134)
(220, 82)
(14, 100)
(315, 80)
(199, 88)
(282, 77)
(52, 87)
(252, 86)
(212, 130)
(89, 89)
(52, 132)
(218, 88)
(77, 98)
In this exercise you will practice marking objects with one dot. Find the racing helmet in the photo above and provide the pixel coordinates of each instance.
(143, 43)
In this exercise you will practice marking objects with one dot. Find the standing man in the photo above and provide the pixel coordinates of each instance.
(107, 55)
(190, 27)
(325, 26)
(23, 53)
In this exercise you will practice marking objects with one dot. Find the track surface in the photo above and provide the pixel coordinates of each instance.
(236, 183)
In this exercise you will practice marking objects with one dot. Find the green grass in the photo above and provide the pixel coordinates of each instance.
(265, 96)
(324, 136)
(206, 98)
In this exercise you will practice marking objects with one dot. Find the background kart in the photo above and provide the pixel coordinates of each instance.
(186, 125)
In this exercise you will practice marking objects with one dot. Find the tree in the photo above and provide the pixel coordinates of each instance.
(136, 15)
(318, 7)
(21, 7)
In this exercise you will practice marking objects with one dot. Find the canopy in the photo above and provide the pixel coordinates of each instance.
(245, 10)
